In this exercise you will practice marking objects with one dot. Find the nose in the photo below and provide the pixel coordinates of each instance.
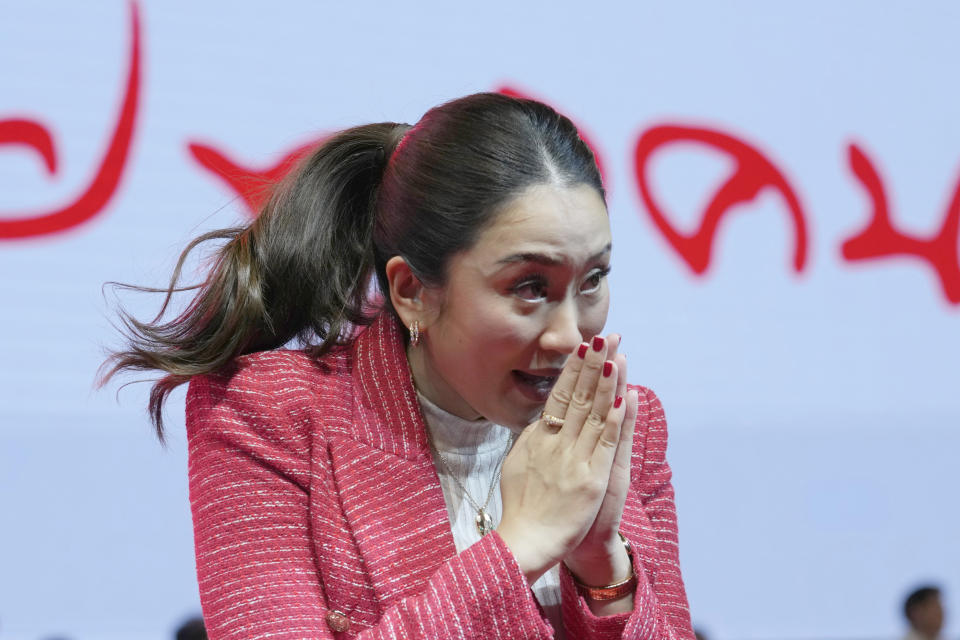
(562, 332)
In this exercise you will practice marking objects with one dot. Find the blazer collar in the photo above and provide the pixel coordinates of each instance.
(384, 395)
(387, 484)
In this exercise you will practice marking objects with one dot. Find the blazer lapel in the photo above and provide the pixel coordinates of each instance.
(388, 487)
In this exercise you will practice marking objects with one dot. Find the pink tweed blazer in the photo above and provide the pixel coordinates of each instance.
(317, 512)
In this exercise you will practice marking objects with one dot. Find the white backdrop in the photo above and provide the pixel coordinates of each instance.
(811, 392)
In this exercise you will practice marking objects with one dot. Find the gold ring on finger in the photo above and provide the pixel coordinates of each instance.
(551, 421)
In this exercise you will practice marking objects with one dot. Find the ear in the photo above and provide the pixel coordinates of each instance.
(406, 292)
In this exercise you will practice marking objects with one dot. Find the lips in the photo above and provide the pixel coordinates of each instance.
(535, 386)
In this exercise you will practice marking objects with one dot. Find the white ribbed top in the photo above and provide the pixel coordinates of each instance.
(473, 449)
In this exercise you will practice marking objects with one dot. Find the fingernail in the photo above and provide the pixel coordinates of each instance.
(607, 369)
(618, 402)
(582, 350)
(619, 338)
(597, 343)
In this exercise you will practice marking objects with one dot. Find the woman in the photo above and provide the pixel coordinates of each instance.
(351, 489)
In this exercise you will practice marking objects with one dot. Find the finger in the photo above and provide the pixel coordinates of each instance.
(595, 424)
(581, 400)
(625, 444)
(621, 362)
(614, 340)
(562, 391)
(608, 450)
(613, 345)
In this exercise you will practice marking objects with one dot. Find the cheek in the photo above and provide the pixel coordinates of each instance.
(490, 333)
(594, 318)
(507, 338)
(502, 341)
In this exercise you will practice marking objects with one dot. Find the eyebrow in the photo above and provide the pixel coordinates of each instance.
(544, 259)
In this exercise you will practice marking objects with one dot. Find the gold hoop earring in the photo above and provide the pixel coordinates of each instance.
(415, 333)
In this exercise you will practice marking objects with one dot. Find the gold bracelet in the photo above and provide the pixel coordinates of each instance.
(612, 591)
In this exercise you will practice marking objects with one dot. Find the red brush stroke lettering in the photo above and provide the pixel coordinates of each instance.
(252, 185)
(31, 135)
(879, 239)
(516, 93)
(104, 184)
(753, 173)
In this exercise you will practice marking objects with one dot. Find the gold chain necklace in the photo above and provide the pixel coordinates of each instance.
(483, 520)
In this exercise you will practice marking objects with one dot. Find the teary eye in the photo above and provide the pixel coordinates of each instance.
(531, 288)
(594, 280)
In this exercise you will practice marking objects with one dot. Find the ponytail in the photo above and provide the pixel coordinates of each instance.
(302, 270)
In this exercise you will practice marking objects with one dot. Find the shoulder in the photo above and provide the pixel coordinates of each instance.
(271, 392)
(271, 375)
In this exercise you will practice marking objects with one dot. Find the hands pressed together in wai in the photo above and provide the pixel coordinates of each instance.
(564, 486)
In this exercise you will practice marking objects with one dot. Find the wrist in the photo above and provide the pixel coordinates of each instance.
(612, 564)
(611, 597)
(528, 552)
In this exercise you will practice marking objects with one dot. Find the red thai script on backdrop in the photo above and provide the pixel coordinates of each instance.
(103, 185)
(251, 185)
(754, 172)
(880, 239)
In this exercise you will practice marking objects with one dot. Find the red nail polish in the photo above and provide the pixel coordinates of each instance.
(618, 402)
(582, 350)
(607, 369)
(597, 343)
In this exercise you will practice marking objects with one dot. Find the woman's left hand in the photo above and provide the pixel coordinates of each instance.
(600, 559)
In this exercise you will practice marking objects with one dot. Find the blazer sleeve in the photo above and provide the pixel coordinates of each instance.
(660, 609)
(250, 467)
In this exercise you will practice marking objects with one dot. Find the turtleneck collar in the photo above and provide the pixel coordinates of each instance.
(453, 434)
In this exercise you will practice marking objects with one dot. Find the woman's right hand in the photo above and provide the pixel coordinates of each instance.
(554, 480)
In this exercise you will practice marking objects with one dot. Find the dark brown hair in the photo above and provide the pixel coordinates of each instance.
(302, 270)
(918, 597)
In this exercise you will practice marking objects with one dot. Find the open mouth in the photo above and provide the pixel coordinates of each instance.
(536, 387)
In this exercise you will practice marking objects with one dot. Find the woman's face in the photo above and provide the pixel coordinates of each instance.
(515, 305)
